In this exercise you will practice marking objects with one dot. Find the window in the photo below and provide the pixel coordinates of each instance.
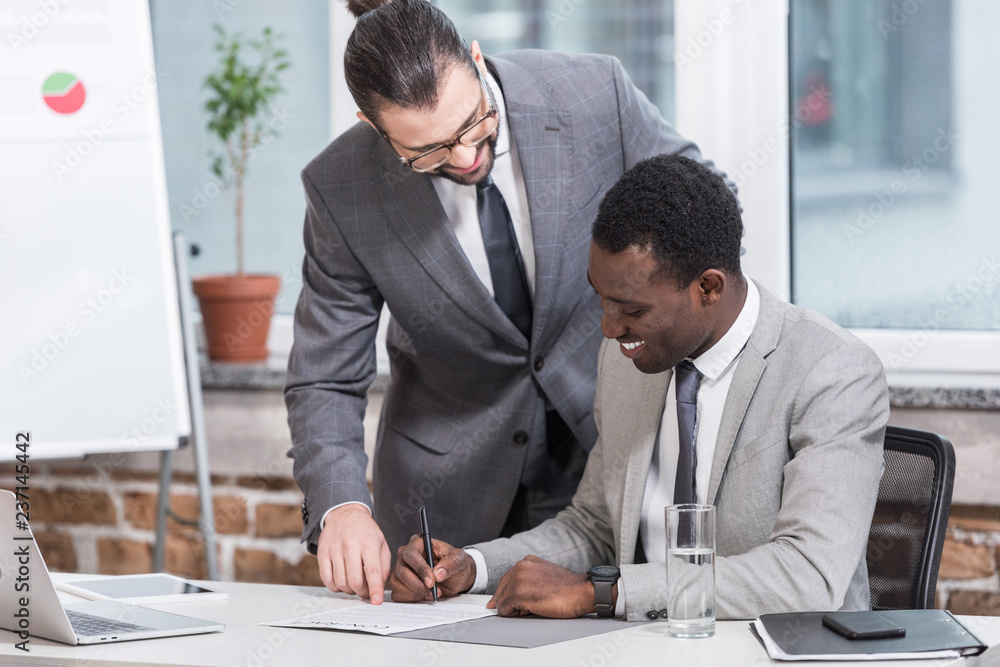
(183, 41)
(638, 32)
(892, 220)
(860, 135)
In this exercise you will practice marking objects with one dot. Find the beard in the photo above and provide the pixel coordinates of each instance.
(489, 152)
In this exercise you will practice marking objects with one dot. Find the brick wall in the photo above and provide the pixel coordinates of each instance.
(968, 582)
(89, 518)
(95, 519)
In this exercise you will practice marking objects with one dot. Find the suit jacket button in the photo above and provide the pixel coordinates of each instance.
(663, 614)
(539, 363)
(520, 438)
(652, 615)
(305, 513)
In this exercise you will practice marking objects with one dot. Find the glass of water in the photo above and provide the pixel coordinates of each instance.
(690, 570)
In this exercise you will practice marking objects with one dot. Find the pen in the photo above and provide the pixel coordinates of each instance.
(425, 532)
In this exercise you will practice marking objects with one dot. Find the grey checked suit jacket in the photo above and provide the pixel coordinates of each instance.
(466, 387)
(794, 478)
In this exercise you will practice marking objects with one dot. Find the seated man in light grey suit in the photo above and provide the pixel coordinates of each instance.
(791, 413)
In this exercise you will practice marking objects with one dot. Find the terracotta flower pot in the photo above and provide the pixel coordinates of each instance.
(236, 312)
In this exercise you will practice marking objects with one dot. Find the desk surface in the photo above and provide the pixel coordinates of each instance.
(248, 644)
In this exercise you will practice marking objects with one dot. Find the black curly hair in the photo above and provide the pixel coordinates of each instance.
(681, 210)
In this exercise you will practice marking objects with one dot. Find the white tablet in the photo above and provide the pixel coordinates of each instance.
(141, 588)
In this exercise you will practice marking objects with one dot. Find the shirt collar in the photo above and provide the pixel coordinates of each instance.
(716, 359)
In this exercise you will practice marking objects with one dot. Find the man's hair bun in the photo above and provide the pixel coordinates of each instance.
(360, 7)
(398, 53)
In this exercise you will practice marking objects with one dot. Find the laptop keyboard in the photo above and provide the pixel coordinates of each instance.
(88, 625)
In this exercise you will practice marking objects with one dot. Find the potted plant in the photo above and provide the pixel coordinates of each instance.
(236, 309)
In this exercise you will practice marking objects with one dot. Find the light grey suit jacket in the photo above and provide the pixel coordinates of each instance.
(794, 479)
(466, 390)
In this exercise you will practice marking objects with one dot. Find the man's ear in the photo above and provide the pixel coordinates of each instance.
(364, 118)
(477, 56)
(711, 285)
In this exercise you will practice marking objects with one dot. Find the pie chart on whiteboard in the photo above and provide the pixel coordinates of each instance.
(63, 93)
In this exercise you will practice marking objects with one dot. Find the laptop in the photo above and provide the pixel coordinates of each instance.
(30, 606)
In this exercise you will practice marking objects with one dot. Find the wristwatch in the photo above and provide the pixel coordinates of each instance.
(604, 577)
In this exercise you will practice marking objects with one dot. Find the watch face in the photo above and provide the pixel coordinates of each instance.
(604, 570)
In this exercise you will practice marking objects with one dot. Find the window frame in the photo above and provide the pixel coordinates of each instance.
(733, 101)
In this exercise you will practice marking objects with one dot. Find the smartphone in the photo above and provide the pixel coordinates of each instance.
(862, 625)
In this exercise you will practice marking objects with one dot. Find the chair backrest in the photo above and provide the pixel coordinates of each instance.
(911, 519)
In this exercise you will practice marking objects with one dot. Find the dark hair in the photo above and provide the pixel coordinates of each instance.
(398, 52)
(681, 210)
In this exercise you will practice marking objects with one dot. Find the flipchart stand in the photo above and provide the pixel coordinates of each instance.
(199, 443)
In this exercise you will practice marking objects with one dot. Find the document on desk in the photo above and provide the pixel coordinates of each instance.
(388, 618)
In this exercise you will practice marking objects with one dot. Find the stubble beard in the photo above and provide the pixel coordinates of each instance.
(479, 174)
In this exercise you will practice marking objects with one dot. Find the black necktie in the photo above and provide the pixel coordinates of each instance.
(688, 379)
(510, 289)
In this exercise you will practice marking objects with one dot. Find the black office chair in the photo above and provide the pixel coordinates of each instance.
(911, 519)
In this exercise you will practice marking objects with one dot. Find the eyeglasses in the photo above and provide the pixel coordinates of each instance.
(472, 136)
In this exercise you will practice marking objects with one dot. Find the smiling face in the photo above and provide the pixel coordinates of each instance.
(656, 322)
(461, 101)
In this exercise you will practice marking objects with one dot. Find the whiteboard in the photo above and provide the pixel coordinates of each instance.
(91, 356)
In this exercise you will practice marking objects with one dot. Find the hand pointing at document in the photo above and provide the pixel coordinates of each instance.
(353, 555)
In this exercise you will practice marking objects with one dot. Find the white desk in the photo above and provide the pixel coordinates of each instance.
(248, 644)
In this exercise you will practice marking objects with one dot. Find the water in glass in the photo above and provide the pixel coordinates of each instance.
(691, 582)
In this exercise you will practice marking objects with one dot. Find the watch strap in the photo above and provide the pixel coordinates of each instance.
(604, 599)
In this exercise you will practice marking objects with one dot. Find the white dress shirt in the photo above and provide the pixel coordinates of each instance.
(717, 365)
(459, 203)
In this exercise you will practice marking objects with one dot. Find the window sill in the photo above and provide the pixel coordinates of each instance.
(266, 375)
(940, 391)
(930, 390)
(933, 392)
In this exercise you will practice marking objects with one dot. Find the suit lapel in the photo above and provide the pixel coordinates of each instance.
(744, 384)
(745, 380)
(542, 135)
(420, 222)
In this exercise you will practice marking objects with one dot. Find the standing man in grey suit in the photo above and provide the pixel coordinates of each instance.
(788, 420)
(463, 201)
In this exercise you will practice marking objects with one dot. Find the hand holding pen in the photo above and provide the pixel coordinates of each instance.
(425, 567)
(425, 533)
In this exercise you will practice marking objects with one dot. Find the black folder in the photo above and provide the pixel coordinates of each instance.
(803, 635)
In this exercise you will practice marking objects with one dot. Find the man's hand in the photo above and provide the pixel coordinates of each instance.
(353, 555)
(412, 580)
(536, 586)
